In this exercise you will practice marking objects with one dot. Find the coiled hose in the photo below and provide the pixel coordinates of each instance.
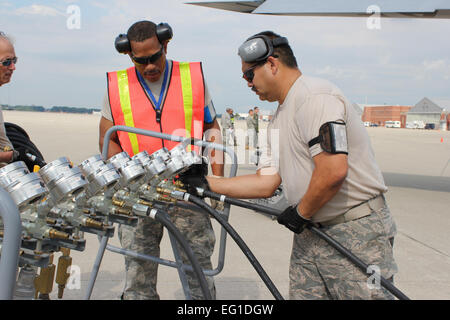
(21, 141)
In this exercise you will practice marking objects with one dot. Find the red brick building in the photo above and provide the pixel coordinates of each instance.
(380, 114)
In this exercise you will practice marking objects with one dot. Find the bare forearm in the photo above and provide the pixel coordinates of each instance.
(246, 186)
(6, 156)
(212, 134)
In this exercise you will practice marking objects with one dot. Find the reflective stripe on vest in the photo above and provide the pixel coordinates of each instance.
(186, 87)
(131, 106)
(125, 102)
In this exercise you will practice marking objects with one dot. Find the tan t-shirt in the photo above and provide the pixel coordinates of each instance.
(310, 103)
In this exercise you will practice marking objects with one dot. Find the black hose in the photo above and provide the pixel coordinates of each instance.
(239, 203)
(21, 141)
(344, 251)
(162, 218)
(15, 127)
(25, 142)
(199, 202)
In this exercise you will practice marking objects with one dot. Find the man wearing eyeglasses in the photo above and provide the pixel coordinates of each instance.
(322, 154)
(8, 61)
(170, 97)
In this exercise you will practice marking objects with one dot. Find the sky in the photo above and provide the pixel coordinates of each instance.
(65, 49)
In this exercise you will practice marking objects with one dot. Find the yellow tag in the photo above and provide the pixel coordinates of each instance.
(36, 168)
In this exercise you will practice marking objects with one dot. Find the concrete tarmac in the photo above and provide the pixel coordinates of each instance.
(416, 167)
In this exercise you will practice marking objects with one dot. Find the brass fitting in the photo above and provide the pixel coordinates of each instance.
(167, 199)
(55, 234)
(64, 262)
(93, 223)
(145, 203)
(118, 203)
(43, 283)
(164, 191)
(178, 184)
(122, 211)
(50, 220)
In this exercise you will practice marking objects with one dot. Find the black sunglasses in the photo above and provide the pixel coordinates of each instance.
(7, 62)
(249, 74)
(148, 60)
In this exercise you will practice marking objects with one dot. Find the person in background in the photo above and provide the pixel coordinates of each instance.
(256, 124)
(251, 131)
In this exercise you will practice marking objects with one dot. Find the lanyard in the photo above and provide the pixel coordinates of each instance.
(157, 104)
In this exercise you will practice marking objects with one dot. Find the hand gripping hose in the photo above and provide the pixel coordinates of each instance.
(336, 245)
(202, 204)
(165, 221)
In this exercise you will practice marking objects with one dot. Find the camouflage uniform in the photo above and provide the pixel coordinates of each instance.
(318, 271)
(141, 276)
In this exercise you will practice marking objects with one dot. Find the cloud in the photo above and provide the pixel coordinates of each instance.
(434, 65)
(39, 10)
(433, 70)
(330, 72)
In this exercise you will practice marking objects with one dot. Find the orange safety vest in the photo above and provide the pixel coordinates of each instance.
(181, 113)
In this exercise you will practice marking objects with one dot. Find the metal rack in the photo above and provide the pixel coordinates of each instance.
(177, 263)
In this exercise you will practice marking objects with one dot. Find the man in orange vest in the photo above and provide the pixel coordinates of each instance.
(171, 97)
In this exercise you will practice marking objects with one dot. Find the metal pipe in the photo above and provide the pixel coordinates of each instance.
(96, 267)
(11, 245)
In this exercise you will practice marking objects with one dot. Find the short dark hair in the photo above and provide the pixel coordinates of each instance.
(255, 108)
(283, 52)
(251, 110)
(141, 30)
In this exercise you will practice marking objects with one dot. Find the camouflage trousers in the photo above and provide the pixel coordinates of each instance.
(318, 271)
(141, 276)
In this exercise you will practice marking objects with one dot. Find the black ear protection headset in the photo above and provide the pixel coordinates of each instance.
(163, 33)
(259, 47)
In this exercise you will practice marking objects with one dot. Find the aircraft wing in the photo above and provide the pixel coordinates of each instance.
(338, 8)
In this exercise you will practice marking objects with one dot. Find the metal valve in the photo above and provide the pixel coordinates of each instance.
(11, 172)
(102, 179)
(27, 189)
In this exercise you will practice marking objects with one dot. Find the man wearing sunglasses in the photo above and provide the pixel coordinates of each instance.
(162, 95)
(8, 61)
(318, 147)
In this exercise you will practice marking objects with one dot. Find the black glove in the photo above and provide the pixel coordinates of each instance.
(192, 182)
(292, 220)
(21, 154)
